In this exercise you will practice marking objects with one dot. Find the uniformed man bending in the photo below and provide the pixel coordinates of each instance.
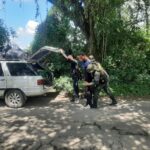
(100, 80)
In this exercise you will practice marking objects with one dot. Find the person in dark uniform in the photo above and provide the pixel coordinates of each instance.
(100, 80)
(84, 62)
(74, 73)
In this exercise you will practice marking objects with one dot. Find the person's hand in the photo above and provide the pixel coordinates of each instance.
(61, 51)
(88, 83)
(70, 57)
(85, 83)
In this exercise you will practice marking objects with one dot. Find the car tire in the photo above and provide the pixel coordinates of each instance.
(14, 98)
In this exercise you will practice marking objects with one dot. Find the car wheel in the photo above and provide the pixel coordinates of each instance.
(14, 98)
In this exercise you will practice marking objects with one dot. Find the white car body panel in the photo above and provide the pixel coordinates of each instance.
(27, 84)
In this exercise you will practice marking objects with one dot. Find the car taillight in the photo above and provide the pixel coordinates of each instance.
(40, 82)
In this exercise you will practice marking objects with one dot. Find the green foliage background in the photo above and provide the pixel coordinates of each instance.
(121, 45)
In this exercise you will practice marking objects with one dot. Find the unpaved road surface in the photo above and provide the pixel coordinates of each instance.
(51, 123)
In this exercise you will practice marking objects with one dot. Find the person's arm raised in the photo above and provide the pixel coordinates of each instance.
(72, 59)
(63, 53)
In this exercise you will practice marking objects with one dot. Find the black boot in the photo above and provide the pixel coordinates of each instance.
(94, 104)
(114, 102)
(72, 99)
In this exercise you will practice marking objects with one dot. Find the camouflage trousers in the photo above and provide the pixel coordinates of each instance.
(96, 91)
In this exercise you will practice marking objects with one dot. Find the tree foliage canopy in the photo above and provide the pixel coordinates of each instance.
(102, 20)
(4, 34)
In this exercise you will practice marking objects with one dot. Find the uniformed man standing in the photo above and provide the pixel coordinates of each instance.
(100, 80)
(74, 73)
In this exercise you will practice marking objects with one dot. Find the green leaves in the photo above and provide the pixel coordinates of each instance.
(110, 30)
(63, 83)
(4, 34)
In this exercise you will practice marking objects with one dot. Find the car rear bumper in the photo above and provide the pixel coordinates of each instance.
(38, 91)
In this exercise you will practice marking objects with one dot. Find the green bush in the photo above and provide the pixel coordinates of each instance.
(63, 83)
(122, 89)
(138, 88)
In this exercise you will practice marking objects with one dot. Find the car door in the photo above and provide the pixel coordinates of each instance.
(2, 81)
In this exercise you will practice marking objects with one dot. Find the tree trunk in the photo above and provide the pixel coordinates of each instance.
(93, 47)
(147, 4)
(147, 20)
(92, 39)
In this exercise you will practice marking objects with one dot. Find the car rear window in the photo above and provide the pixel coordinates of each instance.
(21, 69)
(1, 71)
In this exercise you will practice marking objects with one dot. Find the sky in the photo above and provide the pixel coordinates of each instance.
(22, 19)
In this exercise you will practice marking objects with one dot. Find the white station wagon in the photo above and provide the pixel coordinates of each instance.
(19, 80)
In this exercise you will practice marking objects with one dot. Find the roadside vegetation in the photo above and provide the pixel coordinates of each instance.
(111, 31)
(116, 32)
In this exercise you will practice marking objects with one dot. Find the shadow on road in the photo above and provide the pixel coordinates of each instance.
(36, 101)
(53, 122)
(41, 100)
(2, 103)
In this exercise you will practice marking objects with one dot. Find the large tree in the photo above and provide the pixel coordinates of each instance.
(97, 19)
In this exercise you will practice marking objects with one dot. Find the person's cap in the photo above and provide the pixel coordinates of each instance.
(91, 57)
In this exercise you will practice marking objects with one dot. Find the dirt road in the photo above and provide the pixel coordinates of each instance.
(53, 122)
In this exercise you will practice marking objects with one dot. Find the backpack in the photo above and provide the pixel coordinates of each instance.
(99, 70)
(97, 66)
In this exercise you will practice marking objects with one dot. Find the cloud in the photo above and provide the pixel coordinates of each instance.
(25, 34)
(31, 26)
(29, 29)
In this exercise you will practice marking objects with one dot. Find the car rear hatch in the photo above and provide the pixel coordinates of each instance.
(42, 53)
